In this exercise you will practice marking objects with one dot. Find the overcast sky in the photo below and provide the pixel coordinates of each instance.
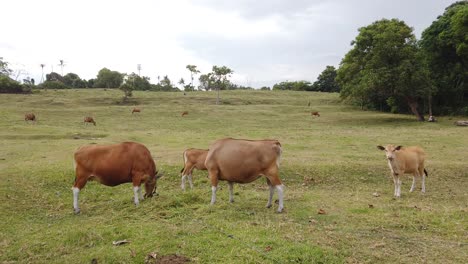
(263, 41)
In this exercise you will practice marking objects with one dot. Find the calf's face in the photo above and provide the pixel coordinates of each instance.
(390, 151)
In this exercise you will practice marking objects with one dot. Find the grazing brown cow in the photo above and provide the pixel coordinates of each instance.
(136, 110)
(244, 161)
(112, 165)
(193, 158)
(184, 113)
(315, 114)
(29, 117)
(88, 120)
(405, 160)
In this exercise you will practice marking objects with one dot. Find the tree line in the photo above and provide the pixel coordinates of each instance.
(387, 69)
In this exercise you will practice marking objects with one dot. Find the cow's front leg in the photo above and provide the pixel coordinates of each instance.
(231, 192)
(136, 192)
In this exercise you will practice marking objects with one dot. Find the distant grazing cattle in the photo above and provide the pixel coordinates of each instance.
(244, 161)
(88, 120)
(112, 165)
(136, 110)
(405, 160)
(193, 158)
(29, 117)
(184, 113)
(315, 114)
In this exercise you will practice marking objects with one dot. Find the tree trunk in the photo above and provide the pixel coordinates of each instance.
(217, 98)
(413, 104)
(430, 105)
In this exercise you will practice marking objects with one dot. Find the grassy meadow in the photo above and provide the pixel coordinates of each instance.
(329, 162)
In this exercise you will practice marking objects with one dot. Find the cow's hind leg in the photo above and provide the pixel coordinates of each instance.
(272, 191)
(273, 177)
(213, 173)
(415, 175)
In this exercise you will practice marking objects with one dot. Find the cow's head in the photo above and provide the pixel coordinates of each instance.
(390, 151)
(150, 185)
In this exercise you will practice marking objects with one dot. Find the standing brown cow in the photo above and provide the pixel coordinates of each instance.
(244, 161)
(193, 158)
(112, 165)
(136, 110)
(184, 113)
(315, 114)
(88, 120)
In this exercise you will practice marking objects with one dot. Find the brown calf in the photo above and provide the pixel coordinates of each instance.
(184, 113)
(193, 158)
(136, 110)
(29, 117)
(112, 165)
(315, 114)
(244, 161)
(88, 120)
(405, 160)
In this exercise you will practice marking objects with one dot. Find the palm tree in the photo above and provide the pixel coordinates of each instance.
(193, 71)
(62, 64)
(42, 68)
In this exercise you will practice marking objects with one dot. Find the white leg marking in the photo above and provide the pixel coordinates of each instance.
(213, 194)
(135, 192)
(414, 183)
(231, 192)
(76, 192)
(395, 186)
(183, 182)
(280, 197)
(190, 180)
(270, 197)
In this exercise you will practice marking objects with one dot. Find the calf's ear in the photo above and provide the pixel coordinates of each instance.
(398, 147)
(380, 147)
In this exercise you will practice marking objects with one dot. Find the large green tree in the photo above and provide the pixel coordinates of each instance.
(384, 67)
(445, 46)
(326, 81)
(108, 79)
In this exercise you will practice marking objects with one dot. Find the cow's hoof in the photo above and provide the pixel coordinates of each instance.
(280, 211)
(268, 206)
(77, 211)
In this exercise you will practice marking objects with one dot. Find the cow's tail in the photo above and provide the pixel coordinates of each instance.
(425, 172)
(279, 151)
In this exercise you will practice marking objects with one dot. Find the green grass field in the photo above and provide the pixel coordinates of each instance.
(329, 162)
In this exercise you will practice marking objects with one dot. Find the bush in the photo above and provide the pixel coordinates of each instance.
(52, 85)
(8, 85)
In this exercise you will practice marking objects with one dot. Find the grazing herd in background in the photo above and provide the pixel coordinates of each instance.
(232, 160)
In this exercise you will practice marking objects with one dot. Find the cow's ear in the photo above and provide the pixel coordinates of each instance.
(380, 147)
(398, 147)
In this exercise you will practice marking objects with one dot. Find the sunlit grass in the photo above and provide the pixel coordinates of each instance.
(329, 162)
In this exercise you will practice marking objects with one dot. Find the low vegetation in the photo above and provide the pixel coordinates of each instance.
(339, 204)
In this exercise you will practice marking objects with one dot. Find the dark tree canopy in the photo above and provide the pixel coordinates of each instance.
(108, 79)
(383, 68)
(326, 81)
(445, 47)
